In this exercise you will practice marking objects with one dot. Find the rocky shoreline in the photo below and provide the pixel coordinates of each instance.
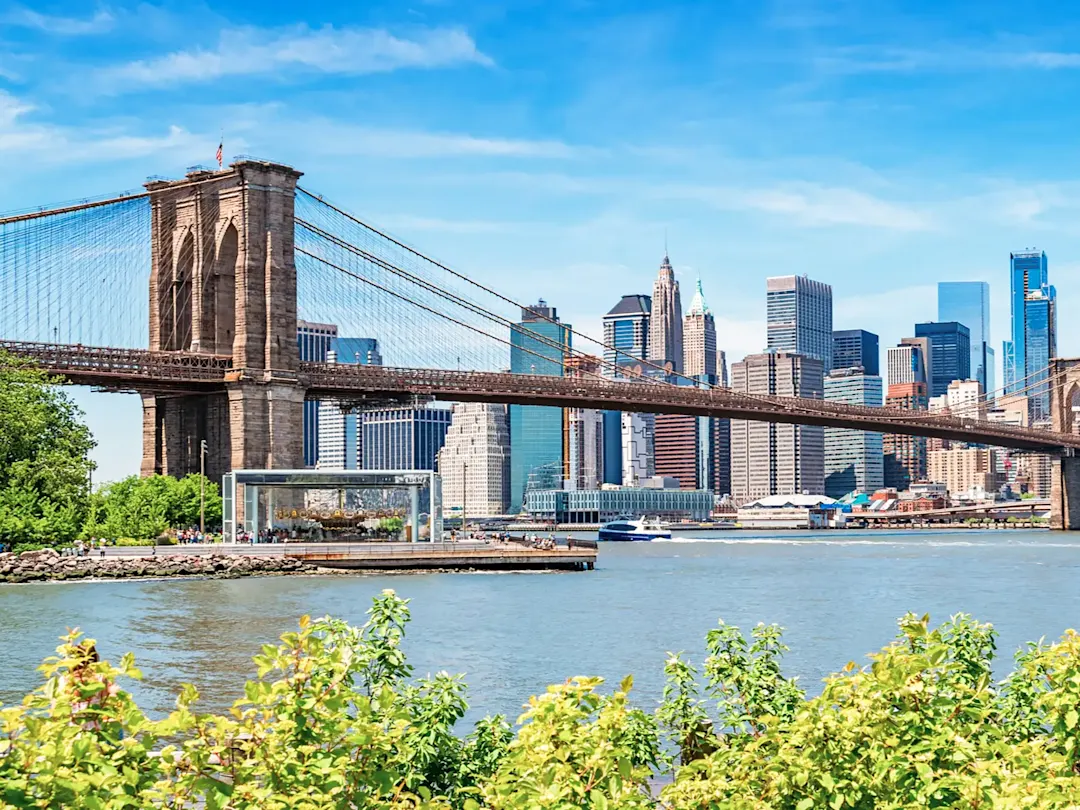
(47, 564)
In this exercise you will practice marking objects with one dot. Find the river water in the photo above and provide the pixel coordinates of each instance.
(837, 594)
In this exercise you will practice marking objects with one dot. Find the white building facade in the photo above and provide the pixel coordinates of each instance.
(474, 462)
(638, 430)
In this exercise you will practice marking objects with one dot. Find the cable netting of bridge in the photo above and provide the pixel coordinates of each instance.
(371, 286)
(77, 275)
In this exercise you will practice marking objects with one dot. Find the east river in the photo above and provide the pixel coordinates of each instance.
(838, 595)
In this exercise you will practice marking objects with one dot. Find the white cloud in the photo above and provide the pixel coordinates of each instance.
(408, 222)
(101, 22)
(52, 144)
(250, 51)
(809, 205)
(344, 139)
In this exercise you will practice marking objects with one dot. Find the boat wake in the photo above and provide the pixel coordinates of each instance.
(878, 541)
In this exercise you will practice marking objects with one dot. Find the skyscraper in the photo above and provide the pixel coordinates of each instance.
(777, 459)
(799, 315)
(1033, 331)
(695, 450)
(950, 354)
(854, 459)
(699, 339)
(637, 447)
(905, 456)
(403, 438)
(313, 340)
(474, 462)
(666, 321)
(856, 348)
(583, 433)
(539, 345)
(626, 331)
(339, 431)
(968, 302)
(909, 362)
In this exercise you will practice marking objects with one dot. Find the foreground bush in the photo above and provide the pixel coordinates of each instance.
(335, 719)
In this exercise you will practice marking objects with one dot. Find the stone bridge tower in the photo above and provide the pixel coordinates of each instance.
(223, 282)
(1065, 416)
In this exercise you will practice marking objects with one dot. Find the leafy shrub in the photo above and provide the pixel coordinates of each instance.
(335, 719)
(126, 542)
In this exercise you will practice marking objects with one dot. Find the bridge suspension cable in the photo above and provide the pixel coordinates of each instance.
(632, 360)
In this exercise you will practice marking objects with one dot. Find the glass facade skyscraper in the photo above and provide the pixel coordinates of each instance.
(403, 438)
(339, 431)
(626, 332)
(1033, 331)
(536, 432)
(968, 302)
(950, 353)
(799, 317)
(313, 340)
(855, 348)
(854, 459)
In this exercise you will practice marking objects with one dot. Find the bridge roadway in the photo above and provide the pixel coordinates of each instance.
(149, 371)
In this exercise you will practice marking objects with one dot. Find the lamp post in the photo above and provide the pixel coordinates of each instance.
(202, 486)
(464, 493)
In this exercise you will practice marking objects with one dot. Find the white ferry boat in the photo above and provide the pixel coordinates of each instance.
(628, 529)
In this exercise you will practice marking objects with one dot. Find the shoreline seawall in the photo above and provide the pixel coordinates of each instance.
(48, 565)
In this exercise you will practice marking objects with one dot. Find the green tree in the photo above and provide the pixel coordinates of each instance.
(44, 458)
(147, 507)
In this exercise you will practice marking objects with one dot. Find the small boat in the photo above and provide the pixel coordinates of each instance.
(629, 529)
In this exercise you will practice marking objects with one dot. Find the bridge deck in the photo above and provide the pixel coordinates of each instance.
(148, 371)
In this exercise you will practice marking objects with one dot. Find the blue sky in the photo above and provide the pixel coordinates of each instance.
(546, 147)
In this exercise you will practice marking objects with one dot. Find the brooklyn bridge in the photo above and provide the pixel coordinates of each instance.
(188, 292)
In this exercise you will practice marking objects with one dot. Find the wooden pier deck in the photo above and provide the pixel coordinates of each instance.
(465, 555)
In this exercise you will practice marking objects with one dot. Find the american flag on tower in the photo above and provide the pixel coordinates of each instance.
(219, 155)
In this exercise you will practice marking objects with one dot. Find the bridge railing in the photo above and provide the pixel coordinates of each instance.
(74, 359)
(328, 377)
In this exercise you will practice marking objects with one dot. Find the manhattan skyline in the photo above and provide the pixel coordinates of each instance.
(812, 138)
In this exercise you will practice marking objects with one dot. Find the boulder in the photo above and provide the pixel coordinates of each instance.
(40, 554)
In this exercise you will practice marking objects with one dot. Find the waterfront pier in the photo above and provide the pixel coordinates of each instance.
(512, 555)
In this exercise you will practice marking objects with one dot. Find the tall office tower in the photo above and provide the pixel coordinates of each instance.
(339, 431)
(854, 460)
(612, 447)
(637, 447)
(909, 362)
(968, 302)
(777, 459)
(699, 340)
(626, 332)
(694, 449)
(357, 351)
(905, 456)
(313, 340)
(950, 354)
(721, 366)
(666, 321)
(856, 348)
(539, 345)
(583, 433)
(474, 462)
(403, 438)
(799, 315)
(1033, 331)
